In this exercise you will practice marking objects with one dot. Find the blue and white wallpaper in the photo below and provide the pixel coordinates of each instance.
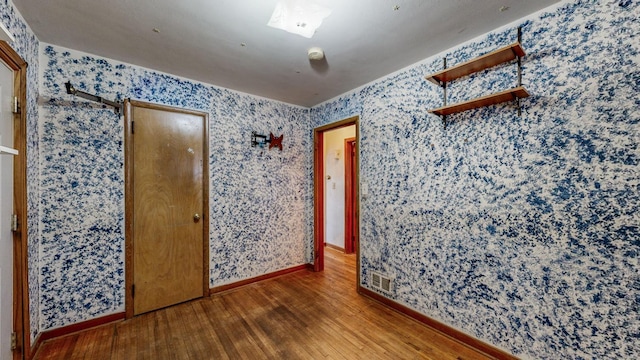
(523, 231)
(257, 196)
(26, 45)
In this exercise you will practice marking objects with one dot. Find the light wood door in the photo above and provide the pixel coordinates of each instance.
(168, 182)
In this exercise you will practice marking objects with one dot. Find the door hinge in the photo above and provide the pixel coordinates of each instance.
(132, 127)
(16, 105)
(14, 341)
(14, 222)
(133, 290)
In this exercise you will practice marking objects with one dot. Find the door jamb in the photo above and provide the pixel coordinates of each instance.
(128, 176)
(318, 193)
(350, 232)
(21, 324)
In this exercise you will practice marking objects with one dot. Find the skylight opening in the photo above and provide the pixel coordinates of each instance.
(299, 17)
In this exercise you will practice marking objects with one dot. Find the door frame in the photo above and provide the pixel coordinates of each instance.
(350, 185)
(128, 176)
(21, 324)
(319, 190)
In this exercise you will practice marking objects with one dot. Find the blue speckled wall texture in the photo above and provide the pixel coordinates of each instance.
(257, 196)
(26, 45)
(522, 231)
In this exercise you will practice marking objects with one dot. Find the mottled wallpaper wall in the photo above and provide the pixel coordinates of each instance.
(257, 196)
(520, 230)
(26, 45)
(523, 231)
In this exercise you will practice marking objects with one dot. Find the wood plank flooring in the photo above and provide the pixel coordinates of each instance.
(303, 315)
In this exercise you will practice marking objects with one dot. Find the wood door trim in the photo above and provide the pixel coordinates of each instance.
(128, 211)
(21, 323)
(318, 196)
(349, 203)
(128, 175)
(162, 107)
(318, 192)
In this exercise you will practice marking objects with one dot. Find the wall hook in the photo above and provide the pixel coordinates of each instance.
(261, 140)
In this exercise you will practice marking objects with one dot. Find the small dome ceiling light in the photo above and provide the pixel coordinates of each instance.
(315, 54)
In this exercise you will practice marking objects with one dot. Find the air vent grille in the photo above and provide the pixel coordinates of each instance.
(386, 284)
(375, 280)
(381, 282)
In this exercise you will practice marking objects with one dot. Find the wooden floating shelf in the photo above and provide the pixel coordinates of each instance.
(483, 62)
(8, 151)
(499, 97)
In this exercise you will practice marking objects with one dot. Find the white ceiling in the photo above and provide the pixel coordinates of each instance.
(202, 39)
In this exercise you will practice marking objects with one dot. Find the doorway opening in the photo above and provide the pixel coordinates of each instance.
(336, 204)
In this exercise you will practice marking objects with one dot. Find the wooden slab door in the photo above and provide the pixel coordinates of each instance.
(167, 208)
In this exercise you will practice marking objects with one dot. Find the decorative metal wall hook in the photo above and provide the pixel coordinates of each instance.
(258, 140)
(261, 140)
(117, 106)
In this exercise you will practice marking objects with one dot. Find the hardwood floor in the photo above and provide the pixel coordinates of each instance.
(303, 315)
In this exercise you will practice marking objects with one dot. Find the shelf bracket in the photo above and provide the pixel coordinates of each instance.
(444, 92)
(519, 70)
(117, 106)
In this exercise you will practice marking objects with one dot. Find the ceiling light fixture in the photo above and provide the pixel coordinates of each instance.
(315, 53)
(298, 17)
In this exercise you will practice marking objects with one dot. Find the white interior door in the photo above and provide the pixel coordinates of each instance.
(6, 209)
